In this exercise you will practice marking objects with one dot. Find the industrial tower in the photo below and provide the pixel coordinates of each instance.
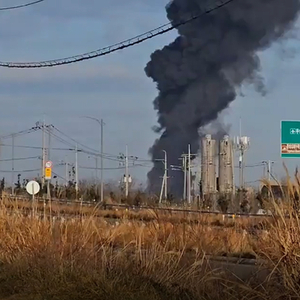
(208, 168)
(226, 166)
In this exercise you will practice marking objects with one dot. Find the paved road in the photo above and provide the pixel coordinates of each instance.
(244, 272)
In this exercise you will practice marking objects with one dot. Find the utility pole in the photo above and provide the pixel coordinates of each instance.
(269, 165)
(241, 160)
(48, 159)
(187, 168)
(184, 180)
(162, 189)
(125, 163)
(126, 172)
(241, 168)
(49, 142)
(101, 160)
(43, 154)
(13, 165)
(67, 171)
(76, 171)
(189, 174)
(270, 169)
(164, 184)
(166, 175)
(242, 145)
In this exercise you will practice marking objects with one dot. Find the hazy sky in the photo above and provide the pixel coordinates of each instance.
(115, 87)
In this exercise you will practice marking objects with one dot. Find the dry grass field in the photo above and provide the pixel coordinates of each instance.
(146, 215)
(90, 258)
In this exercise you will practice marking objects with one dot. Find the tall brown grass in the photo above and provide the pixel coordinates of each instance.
(92, 258)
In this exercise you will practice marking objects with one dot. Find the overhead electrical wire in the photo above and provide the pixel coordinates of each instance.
(20, 133)
(37, 147)
(19, 158)
(113, 48)
(71, 146)
(20, 171)
(115, 168)
(21, 5)
(112, 168)
(90, 151)
(73, 140)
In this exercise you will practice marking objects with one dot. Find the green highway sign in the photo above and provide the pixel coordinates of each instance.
(290, 139)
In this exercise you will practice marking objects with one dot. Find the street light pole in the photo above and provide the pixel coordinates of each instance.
(101, 123)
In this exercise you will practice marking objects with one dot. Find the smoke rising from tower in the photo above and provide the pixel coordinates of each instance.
(197, 75)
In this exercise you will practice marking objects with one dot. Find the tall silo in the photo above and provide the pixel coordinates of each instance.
(226, 165)
(208, 165)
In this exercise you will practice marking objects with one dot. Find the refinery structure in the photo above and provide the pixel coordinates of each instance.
(217, 167)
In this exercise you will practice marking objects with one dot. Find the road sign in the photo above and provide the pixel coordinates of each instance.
(48, 164)
(32, 187)
(290, 139)
(48, 173)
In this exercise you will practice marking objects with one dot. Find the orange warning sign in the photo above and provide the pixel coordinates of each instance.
(48, 173)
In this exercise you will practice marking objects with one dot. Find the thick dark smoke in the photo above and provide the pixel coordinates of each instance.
(198, 74)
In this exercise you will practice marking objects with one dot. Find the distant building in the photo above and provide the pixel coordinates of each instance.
(277, 191)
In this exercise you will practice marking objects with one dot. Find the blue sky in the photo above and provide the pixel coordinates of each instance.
(115, 87)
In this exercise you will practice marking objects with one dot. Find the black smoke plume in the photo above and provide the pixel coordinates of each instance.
(198, 74)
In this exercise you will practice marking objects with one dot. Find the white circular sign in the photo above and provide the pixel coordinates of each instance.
(32, 187)
(49, 164)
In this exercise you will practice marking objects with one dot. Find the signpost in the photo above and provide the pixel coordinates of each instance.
(48, 173)
(32, 188)
(290, 139)
(48, 170)
(48, 177)
(48, 164)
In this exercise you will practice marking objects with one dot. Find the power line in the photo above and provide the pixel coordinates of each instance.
(92, 168)
(113, 48)
(20, 158)
(37, 147)
(73, 140)
(20, 133)
(21, 5)
(114, 168)
(252, 166)
(90, 151)
(58, 149)
(71, 146)
(20, 171)
(59, 176)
